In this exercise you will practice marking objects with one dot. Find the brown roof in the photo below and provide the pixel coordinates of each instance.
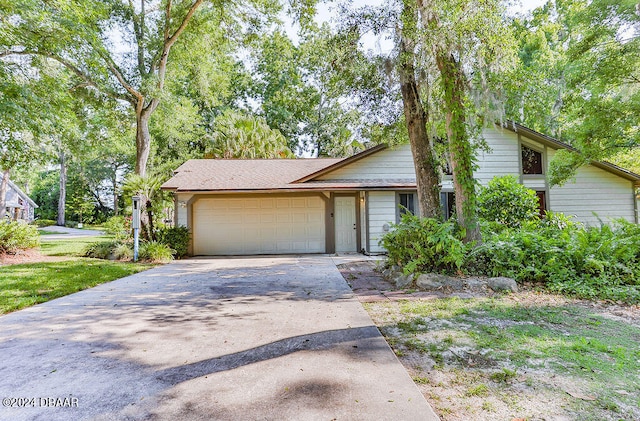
(243, 174)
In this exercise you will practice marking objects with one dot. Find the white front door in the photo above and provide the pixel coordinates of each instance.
(345, 222)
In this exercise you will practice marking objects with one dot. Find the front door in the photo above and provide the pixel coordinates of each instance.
(345, 219)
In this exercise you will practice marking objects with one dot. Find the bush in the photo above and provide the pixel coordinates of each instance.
(177, 238)
(102, 249)
(123, 251)
(154, 251)
(593, 262)
(118, 226)
(16, 236)
(425, 245)
(507, 202)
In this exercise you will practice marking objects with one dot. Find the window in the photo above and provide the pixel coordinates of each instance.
(448, 203)
(531, 161)
(407, 203)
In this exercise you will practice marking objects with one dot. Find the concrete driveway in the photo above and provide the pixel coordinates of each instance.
(64, 233)
(270, 338)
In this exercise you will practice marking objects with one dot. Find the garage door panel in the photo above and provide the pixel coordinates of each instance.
(258, 225)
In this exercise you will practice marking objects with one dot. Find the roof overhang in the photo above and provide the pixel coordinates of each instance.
(556, 144)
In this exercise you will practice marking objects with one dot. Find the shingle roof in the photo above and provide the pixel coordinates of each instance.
(243, 174)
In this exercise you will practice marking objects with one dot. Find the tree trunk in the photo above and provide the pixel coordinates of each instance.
(427, 179)
(3, 194)
(460, 148)
(143, 140)
(114, 182)
(62, 199)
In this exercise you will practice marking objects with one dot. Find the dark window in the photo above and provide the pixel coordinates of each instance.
(448, 203)
(542, 203)
(407, 203)
(531, 161)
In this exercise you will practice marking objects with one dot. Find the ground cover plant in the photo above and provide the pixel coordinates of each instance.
(525, 356)
(557, 253)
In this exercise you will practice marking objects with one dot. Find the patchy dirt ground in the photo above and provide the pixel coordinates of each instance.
(27, 256)
(523, 356)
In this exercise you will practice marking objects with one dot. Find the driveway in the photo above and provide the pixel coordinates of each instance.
(270, 338)
(65, 233)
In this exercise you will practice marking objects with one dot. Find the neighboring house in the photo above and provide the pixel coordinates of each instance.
(18, 205)
(279, 206)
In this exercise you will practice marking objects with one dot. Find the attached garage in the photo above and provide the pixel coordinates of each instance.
(259, 224)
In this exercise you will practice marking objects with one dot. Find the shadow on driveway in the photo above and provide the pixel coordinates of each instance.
(255, 338)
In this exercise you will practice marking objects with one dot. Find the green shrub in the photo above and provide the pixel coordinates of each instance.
(118, 226)
(425, 245)
(123, 251)
(154, 251)
(177, 238)
(102, 249)
(593, 262)
(507, 202)
(16, 236)
(44, 222)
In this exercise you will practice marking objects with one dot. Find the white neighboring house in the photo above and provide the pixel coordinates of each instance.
(327, 205)
(19, 206)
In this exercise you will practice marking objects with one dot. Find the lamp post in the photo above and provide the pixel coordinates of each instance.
(135, 224)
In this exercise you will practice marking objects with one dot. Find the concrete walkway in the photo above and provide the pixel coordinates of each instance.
(66, 233)
(271, 338)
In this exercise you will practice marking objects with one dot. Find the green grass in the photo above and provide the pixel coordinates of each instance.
(24, 285)
(74, 247)
(27, 284)
(45, 232)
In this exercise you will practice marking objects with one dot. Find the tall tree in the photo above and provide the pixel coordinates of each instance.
(468, 40)
(579, 62)
(416, 117)
(82, 35)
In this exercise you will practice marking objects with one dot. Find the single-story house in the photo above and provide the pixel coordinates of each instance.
(328, 205)
(19, 206)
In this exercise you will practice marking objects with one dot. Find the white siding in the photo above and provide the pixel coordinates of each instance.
(504, 157)
(182, 210)
(382, 210)
(593, 190)
(396, 163)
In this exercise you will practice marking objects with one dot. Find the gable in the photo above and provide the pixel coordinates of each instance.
(386, 164)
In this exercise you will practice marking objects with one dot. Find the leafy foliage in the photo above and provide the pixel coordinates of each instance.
(507, 202)
(425, 245)
(102, 249)
(154, 251)
(118, 226)
(177, 238)
(589, 262)
(239, 135)
(16, 236)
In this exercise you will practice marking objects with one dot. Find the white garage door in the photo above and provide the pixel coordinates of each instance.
(258, 225)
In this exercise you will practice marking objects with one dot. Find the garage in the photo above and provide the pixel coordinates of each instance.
(258, 224)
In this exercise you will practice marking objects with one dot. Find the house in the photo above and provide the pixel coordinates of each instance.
(240, 207)
(18, 205)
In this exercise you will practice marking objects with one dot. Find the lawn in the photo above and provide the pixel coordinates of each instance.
(73, 247)
(525, 356)
(23, 285)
